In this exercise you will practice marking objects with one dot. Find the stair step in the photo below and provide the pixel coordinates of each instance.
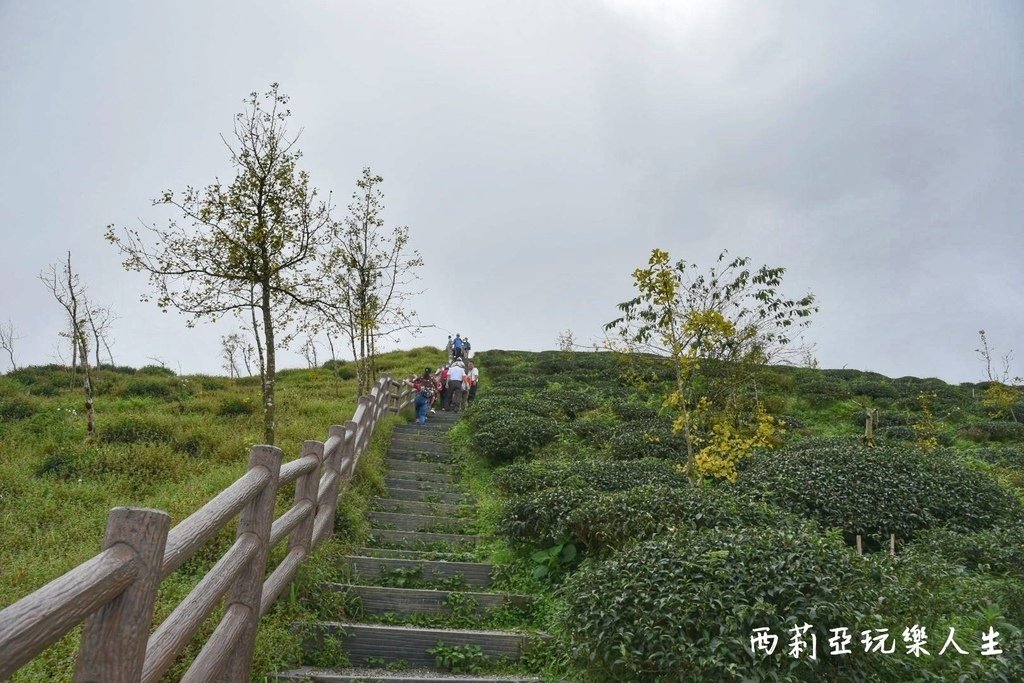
(424, 476)
(414, 539)
(407, 601)
(412, 507)
(438, 435)
(427, 496)
(403, 554)
(413, 484)
(474, 573)
(422, 446)
(412, 522)
(375, 642)
(348, 675)
(415, 466)
(419, 456)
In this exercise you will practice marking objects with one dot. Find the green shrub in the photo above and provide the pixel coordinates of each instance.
(897, 433)
(136, 429)
(595, 427)
(683, 607)
(994, 431)
(998, 551)
(155, 370)
(1007, 456)
(541, 518)
(233, 406)
(633, 410)
(150, 387)
(66, 461)
(512, 434)
(598, 475)
(881, 490)
(873, 389)
(609, 521)
(571, 403)
(651, 438)
(18, 407)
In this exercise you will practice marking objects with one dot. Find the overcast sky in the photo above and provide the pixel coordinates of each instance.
(538, 151)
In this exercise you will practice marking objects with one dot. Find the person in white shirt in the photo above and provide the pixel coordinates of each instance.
(473, 379)
(453, 397)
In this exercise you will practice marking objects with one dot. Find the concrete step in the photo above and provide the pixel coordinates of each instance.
(403, 554)
(419, 456)
(415, 466)
(405, 521)
(474, 573)
(415, 540)
(377, 642)
(414, 485)
(380, 600)
(428, 496)
(411, 507)
(426, 433)
(351, 675)
(424, 476)
(398, 443)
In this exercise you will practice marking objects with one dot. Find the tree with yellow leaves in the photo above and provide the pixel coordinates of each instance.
(716, 327)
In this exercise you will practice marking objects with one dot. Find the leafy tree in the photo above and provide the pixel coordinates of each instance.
(715, 327)
(254, 246)
(372, 270)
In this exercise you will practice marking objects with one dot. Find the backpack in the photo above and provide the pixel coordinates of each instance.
(457, 344)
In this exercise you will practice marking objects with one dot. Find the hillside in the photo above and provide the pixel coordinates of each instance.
(580, 502)
(650, 577)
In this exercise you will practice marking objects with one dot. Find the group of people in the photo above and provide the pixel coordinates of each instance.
(458, 348)
(454, 384)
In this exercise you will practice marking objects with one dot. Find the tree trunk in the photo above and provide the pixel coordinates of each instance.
(259, 348)
(269, 409)
(686, 417)
(90, 415)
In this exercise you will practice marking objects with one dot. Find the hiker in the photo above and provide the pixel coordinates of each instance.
(448, 348)
(453, 398)
(424, 392)
(457, 347)
(466, 349)
(442, 377)
(473, 377)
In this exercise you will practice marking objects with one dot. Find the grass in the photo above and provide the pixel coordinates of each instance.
(170, 443)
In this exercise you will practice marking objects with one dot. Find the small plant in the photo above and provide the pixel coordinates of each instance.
(459, 659)
(552, 562)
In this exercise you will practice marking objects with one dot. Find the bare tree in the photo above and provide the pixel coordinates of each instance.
(100, 319)
(252, 248)
(8, 336)
(69, 292)
(372, 272)
(229, 349)
(994, 373)
(566, 340)
(309, 351)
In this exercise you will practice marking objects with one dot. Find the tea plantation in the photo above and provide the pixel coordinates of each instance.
(634, 572)
(647, 576)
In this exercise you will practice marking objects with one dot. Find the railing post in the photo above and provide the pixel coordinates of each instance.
(257, 518)
(306, 489)
(114, 640)
(332, 463)
(366, 428)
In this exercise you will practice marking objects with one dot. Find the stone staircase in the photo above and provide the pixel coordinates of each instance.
(416, 571)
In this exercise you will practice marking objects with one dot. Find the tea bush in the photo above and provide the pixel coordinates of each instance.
(994, 431)
(683, 606)
(598, 475)
(595, 427)
(651, 438)
(998, 551)
(513, 433)
(611, 520)
(541, 518)
(881, 490)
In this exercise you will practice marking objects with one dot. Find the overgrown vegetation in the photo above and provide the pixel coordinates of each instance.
(170, 443)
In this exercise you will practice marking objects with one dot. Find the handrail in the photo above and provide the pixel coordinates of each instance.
(114, 592)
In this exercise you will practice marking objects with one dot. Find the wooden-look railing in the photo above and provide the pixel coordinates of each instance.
(114, 592)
